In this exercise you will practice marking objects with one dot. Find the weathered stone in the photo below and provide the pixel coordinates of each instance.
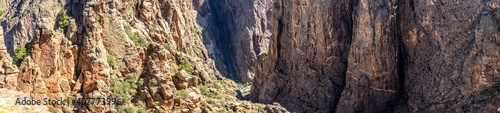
(182, 75)
(372, 79)
(307, 59)
(449, 60)
(236, 32)
(275, 108)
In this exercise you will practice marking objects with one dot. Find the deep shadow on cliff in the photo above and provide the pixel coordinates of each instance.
(217, 34)
(397, 56)
(237, 32)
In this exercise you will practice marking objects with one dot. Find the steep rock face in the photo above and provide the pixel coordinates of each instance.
(305, 67)
(444, 53)
(92, 67)
(452, 62)
(372, 77)
(147, 53)
(20, 19)
(8, 71)
(48, 69)
(236, 32)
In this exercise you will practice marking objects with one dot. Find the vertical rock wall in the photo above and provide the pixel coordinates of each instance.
(304, 69)
(452, 62)
(426, 56)
(372, 75)
(239, 31)
(307, 55)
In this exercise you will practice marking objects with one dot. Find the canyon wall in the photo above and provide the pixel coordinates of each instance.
(237, 31)
(398, 56)
(452, 55)
(305, 67)
(149, 54)
(305, 55)
(372, 78)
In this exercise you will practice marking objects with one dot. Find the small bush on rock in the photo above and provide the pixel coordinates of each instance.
(20, 53)
(111, 59)
(63, 20)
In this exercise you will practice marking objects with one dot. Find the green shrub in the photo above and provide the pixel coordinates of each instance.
(130, 110)
(111, 59)
(153, 81)
(1, 12)
(120, 109)
(141, 110)
(225, 97)
(168, 47)
(133, 78)
(135, 37)
(97, 18)
(217, 86)
(203, 103)
(204, 91)
(156, 103)
(211, 102)
(63, 20)
(186, 67)
(124, 88)
(52, 110)
(20, 53)
(183, 94)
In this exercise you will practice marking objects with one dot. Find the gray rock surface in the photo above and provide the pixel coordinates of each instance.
(237, 31)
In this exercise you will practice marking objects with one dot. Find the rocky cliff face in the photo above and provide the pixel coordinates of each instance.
(236, 32)
(305, 55)
(305, 67)
(452, 55)
(149, 54)
(372, 78)
(402, 56)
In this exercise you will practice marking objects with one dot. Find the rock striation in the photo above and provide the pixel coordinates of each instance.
(372, 78)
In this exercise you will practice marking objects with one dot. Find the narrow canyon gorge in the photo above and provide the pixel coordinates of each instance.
(275, 56)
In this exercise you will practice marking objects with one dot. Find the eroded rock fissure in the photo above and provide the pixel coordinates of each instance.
(223, 20)
(402, 96)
